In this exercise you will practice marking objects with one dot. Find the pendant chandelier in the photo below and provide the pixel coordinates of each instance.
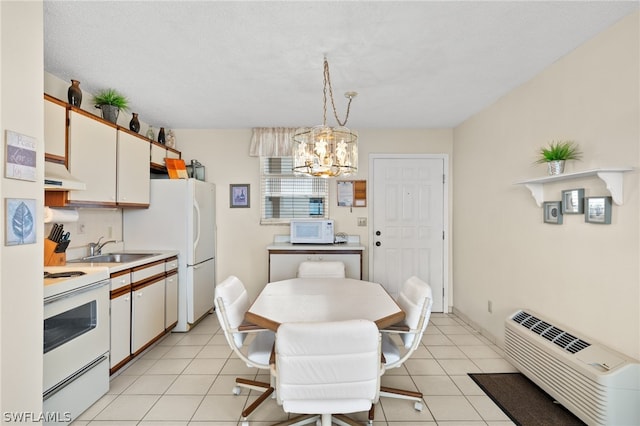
(324, 151)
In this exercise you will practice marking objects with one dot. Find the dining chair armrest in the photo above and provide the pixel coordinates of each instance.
(401, 326)
(246, 327)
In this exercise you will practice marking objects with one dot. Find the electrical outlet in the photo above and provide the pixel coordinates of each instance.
(81, 228)
(490, 306)
(362, 221)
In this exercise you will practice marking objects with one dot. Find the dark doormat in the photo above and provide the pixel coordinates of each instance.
(523, 401)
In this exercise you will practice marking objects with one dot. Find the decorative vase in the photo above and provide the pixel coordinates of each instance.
(171, 139)
(555, 167)
(74, 94)
(110, 112)
(134, 124)
(161, 137)
(151, 134)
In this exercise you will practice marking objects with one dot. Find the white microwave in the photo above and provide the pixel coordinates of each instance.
(312, 231)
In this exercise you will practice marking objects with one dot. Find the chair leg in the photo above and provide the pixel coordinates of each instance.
(299, 420)
(403, 394)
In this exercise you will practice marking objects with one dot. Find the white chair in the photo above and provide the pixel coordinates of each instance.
(324, 368)
(321, 269)
(231, 303)
(415, 299)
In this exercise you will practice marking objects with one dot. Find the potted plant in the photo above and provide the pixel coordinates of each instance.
(110, 103)
(557, 153)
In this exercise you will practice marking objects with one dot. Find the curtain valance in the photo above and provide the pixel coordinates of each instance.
(271, 142)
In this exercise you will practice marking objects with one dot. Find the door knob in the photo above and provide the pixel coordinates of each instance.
(378, 243)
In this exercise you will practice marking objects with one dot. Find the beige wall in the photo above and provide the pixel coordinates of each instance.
(21, 292)
(582, 275)
(242, 241)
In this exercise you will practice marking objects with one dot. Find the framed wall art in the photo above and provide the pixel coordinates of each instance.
(20, 159)
(597, 210)
(552, 212)
(239, 195)
(573, 201)
(20, 214)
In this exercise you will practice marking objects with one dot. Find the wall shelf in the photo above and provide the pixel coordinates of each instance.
(612, 178)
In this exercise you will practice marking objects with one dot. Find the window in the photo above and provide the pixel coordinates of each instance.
(284, 195)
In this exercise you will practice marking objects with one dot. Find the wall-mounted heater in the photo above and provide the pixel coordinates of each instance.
(594, 382)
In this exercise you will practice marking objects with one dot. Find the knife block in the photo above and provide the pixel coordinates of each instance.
(51, 258)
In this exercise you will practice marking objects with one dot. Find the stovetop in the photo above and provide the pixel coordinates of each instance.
(67, 278)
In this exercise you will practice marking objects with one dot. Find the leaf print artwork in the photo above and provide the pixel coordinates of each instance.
(20, 224)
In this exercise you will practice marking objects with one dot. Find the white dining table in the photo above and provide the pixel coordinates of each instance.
(323, 299)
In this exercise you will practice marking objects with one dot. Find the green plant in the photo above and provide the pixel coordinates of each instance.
(561, 150)
(111, 97)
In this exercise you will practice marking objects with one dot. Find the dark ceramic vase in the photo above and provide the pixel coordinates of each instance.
(134, 124)
(74, 94)
(161, 137)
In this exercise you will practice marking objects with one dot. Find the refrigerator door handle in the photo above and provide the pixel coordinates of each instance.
(196, 220)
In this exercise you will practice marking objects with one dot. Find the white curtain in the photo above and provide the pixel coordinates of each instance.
(272, 142)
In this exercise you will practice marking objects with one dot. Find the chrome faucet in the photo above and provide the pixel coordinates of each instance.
(95, 249)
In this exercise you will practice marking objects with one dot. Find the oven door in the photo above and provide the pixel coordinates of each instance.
(76, 331)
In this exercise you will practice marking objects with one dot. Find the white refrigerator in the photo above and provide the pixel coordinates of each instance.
(181, 216)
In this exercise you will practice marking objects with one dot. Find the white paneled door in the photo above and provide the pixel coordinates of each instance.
(409, 222)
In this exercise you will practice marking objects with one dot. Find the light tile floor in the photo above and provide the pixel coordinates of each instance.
(186, 380)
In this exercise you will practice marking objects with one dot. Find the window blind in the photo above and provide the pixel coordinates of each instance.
(285, 196)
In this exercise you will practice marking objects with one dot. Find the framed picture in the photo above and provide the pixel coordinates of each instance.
(597, 210)
(20, 221)
(552, 212)
(239, 195)
(20, 159)
(573, 201)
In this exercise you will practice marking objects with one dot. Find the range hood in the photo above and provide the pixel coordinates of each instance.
(58, 178)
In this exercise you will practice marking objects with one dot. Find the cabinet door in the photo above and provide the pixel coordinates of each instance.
(120, 348)
(285, 266)
(147, 314)
(133, 170)
(92, 159)
(171, 301)
(158, 154)
(55, 130)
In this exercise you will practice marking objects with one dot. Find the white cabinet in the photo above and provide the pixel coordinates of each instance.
(171, 301)
(283, 264)
(132, 170)
(55, 129)
(159, 152)
(147, 314)
(92, 159)
(120, 349)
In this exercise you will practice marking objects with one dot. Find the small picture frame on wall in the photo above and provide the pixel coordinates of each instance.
(573, 201)
(20, 221)
(552, 212)
(597, 210)
(239, 195)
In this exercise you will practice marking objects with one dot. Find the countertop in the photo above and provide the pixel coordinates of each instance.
(116, 267)
(315, 247)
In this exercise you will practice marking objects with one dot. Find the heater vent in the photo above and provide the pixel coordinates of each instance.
(566, 341)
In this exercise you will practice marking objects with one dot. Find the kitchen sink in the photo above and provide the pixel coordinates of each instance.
(113, 258)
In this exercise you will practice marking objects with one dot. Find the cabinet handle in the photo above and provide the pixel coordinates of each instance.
(139, 294)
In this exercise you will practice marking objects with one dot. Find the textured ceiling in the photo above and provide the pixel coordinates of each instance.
(241, 64)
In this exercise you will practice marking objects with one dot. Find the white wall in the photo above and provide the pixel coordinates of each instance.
(21, 292)
(582, 275)
(242, 241)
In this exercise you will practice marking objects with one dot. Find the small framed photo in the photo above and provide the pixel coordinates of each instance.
(597, 210)
(573, 201)
(552, 212)
(20, 227)
(20, 158)
(239, 195)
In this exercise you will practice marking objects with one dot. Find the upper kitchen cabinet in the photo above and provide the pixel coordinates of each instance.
(158, 153)
(55, 128)
(92, 159)
(133, 170)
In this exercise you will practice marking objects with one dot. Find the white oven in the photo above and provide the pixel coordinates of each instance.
(76, 343)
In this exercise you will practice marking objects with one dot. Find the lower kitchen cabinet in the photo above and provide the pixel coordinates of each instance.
(171, 301)
(147, 314)
(120, 328)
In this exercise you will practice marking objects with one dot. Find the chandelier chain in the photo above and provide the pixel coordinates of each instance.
(327, 82)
